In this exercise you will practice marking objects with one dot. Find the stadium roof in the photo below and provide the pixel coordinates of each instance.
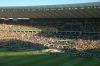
(81, 10)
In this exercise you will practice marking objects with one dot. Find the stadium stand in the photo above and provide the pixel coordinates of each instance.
(72, 28)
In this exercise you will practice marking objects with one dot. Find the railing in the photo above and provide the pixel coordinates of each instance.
(35, 31)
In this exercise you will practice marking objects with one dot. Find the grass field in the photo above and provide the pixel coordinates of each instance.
(36, 58)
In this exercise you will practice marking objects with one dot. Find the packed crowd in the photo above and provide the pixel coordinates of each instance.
(48, 40)
(22, 27)
(78, 44)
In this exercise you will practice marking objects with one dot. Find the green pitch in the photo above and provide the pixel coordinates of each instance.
(36, 58)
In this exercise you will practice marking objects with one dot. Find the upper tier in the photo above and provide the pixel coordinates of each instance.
(82, 10)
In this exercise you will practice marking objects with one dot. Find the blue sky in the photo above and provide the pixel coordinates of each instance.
(40, 2)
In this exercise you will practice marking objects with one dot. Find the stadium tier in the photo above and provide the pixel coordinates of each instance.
(85, 10)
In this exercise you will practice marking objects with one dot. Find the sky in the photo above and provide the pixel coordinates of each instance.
(41, 2)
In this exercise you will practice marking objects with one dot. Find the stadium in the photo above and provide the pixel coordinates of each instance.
(73, 28)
